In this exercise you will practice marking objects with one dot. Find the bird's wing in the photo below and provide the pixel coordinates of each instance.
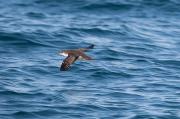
(70, 59)
(84, 56)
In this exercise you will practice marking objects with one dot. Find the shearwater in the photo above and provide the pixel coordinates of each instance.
(72, 55)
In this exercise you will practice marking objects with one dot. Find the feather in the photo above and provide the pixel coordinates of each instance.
(70, 59)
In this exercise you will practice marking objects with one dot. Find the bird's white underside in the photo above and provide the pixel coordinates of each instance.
(80, 58)
(64, 54)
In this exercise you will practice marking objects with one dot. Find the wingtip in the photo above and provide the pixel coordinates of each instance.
(63, 69)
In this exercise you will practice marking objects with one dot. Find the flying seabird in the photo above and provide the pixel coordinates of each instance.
(73, 55)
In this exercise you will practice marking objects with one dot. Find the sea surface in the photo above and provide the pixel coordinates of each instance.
(134, 74)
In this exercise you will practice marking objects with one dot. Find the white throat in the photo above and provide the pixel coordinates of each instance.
(64, 54)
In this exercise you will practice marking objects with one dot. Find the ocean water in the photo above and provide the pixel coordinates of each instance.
(135, 73)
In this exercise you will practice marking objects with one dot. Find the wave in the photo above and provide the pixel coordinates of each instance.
(19, 39)
(168, 63)
(107, 6)
(21, 94)
(160, 2)
(104, 73)
(35, 113)
(36, 15)
(95, 31)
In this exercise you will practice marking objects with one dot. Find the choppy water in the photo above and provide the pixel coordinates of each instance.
(135, 74)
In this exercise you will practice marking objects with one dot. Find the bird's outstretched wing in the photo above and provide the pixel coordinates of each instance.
(70, 59)
(84, 56)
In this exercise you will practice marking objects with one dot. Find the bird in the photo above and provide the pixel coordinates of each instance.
(73, 55)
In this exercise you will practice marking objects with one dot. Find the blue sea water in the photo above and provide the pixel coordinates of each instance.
(135, 73)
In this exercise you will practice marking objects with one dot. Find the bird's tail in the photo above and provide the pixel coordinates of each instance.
(87, 48)
(91, 46)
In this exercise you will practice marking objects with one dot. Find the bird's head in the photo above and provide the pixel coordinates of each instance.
(63, 53)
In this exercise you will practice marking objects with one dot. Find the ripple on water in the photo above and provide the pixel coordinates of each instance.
(19, 40)
(36, 15)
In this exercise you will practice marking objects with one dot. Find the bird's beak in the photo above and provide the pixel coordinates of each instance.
(59, 52)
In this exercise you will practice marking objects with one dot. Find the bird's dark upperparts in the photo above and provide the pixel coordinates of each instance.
(72, 55)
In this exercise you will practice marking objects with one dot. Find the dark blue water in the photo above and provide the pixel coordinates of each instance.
(135, 73)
